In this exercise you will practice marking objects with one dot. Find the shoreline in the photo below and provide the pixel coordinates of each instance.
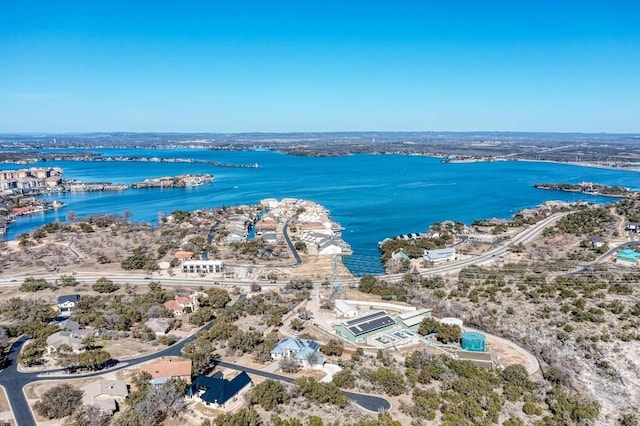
(587, 165)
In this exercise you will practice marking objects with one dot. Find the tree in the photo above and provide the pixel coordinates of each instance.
(94, 359)
(321, 393)
(217, 298)
(243, 417)
(67, 281)
(296, 325)
(32, 353)
(289, 365)
(88, 415)
(59, 401)
(334, 347)
(202, 355)
(269, 394)
(140, 386)
(31, 284)
(104, 285)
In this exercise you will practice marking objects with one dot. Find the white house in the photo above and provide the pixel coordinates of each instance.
(306, 352)
(329, 247)
(66, 303)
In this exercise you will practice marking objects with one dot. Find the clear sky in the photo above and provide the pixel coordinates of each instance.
(307, 65)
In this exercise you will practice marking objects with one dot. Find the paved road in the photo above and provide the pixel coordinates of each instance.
(141, 279)
(523, 237)
(369, 402)
(292, 247)
(14, 381)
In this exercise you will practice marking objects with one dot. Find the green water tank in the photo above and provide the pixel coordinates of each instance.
(473, 341)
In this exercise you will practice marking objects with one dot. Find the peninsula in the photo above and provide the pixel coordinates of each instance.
(590, 189)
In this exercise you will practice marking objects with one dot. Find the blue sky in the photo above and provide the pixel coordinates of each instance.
(190, 66)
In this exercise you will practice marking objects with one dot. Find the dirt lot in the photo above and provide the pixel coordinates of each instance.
(5, 410)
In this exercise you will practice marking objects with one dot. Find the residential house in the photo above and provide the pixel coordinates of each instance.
(633, 227)
(399, 255)
(265, 226)
(306, 352)
(168, 367)
(69, 325)
(160, 326)
(67, 338)
(182, 304)
(270, 238)
(596, 242)
(218, 392)
(628, 257)
(66, 303)
(183, 255)
(105, 395)
(329, 246)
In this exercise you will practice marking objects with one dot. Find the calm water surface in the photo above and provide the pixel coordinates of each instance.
(372, 196)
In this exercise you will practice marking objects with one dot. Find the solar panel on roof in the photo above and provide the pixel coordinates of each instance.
(371, 325)
(365, 318)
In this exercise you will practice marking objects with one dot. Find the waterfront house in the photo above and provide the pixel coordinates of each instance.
(305, 352)
(400, 256)
(235, 237)
(270, 238)
(105, 395)
(217, 392)
(66, 303)
(265, 226)
(329, 246)
(168, 367)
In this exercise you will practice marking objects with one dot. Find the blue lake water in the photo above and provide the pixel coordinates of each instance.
(371, 196)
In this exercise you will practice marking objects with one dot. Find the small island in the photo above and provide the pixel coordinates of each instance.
(590, 189)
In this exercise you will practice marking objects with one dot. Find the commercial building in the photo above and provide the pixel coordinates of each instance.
(360, 328)
(440, 255)
(411, 320)
(202, 266)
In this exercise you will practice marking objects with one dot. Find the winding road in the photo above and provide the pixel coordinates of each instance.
(14, 380)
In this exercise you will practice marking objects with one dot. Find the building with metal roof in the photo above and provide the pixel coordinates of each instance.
(411, 320)
(306, 352)
(360, 328)
(440, 255)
